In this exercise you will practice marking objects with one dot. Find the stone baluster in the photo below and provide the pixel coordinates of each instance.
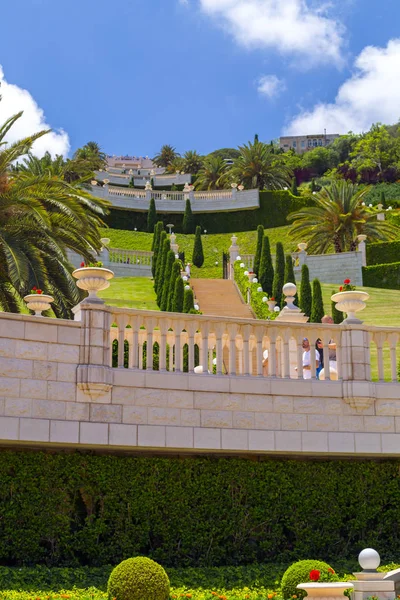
(232, 332)
(149, 345)
(300, 351)
(163, 346)
(219, 331)
(121, 343)
(361, 248)
(286, 354)
(133, 348)
(246, 349)
(393, 339)
(233, 254)
(325, 336)
(272, 356)
(259, 351)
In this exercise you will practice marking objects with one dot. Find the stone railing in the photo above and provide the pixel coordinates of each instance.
(167, 201)
(133, 257)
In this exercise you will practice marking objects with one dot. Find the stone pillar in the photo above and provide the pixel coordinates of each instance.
(302, 253)
(291, 313)
(371, 583)
(233, 254)
(94, 372)
(191, 196)
(361, 248)
(174, 245)
(381, 215)
(148, 190)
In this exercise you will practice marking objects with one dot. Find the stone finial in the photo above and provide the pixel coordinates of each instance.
(291, 312)
(369, 559)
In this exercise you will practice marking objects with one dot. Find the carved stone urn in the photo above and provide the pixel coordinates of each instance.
(93, 280)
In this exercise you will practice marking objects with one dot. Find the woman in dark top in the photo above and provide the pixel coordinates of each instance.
(319, 349)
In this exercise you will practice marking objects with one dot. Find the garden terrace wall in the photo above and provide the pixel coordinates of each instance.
(382, 276)
(274, 208)
(58, 388)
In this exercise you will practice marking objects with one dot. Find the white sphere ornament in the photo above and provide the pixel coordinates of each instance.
(265, 354)
(289, 289)
(238, 258)
(277, 309)
(265, 299)
(241, 265)
(184, 278)
(196, 307)
(246, 272)
(187, 287)
(259, 289)
(255, 280)
(214, 361)
(369, 559)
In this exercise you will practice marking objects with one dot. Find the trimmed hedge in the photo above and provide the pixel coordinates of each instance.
(77, 508)
(383, 253)
(299, 572)
(274, 208)
(138, 578)
(382, 276)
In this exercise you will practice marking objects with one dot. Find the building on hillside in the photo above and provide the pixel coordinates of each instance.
(302, 143)
(130, 162)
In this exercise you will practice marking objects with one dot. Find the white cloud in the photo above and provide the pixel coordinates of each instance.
(270, 86)
(14, 99)
(290, 26)
(370, 95)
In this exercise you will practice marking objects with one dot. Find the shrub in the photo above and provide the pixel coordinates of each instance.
(166, 278)
(198, 254)
(337, 315)
(279, 274)
(166, 247)
(138, 578)
(179, 291)
(266, 277)
(257, 257)
(382, 276)
(293, 188)
(305, 291)
(317, 304)
(289, 275)
(157, 278)
(188, 222)
(188, 301)
(151, 216)
(155, 246)
(175, 272)
(299, 572)
(382, 253)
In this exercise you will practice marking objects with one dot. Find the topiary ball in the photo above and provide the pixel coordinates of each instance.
(138, 578)
(299, 572)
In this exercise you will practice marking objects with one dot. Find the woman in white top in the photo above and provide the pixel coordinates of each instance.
(307, 352)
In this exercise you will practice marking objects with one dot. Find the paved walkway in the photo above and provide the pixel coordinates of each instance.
(220, 297)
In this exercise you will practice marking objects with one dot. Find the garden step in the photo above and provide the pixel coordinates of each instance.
(220, 297)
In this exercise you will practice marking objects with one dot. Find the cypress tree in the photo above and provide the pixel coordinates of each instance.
(305, 291)
(178, 295)
(279, 275)
(317, 305)
(175, 272)
(163, 263)
(337, 315)
(188, 222)
(313, 185)
(266, 270)
(166, 278)
(188, 301)
(294, 189)
(289, 275)
(151, 216)
(156, 245)
(257, 258)
(198, 254)
(163, 237)
(383, 199)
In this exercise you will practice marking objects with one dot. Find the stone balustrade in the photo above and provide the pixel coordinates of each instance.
(127, 379)
(134, 257)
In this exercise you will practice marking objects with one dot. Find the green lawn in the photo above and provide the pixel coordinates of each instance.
(131, 292)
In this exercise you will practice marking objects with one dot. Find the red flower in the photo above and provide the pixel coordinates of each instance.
(330, 570)
(82, 264)
(314, 575)
(346, 281)
(34, 288)
(341, 289)
(39, 292)
(272, 299)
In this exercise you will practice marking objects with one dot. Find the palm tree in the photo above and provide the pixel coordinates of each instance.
(192, 162)
(92, 153)
(166, 155)
(42, 216)
(340, 215)
(175, 166)
(212, 176)
(258, 166)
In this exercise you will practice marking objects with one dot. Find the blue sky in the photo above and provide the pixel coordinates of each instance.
(197, 74)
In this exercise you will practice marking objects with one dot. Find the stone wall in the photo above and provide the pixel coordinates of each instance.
(333, 268)
(57, 389)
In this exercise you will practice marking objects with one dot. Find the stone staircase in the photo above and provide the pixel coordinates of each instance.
(220, 297)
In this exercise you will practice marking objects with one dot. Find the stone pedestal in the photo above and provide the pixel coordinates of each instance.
(373, 584)
(291, 313)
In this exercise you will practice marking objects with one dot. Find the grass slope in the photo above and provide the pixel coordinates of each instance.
(213, 245)
(131, 292)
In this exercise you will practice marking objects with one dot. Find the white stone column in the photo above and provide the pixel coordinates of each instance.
(361, 248)
(371, 583)
(381, 215)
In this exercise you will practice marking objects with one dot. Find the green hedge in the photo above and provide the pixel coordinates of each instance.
(274, 208)
(76, 508)
(382, 276)
(383, 253)
(260, 309)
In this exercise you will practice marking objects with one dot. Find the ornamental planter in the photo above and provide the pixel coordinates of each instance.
(271, 305)
(322, 591)
(350, 303)
(38, 303)
(93, 280)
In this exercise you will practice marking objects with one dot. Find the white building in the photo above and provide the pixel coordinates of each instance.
(302, 143)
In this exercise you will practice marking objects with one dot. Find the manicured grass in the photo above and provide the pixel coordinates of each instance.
(131, 292)
(213, 245)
